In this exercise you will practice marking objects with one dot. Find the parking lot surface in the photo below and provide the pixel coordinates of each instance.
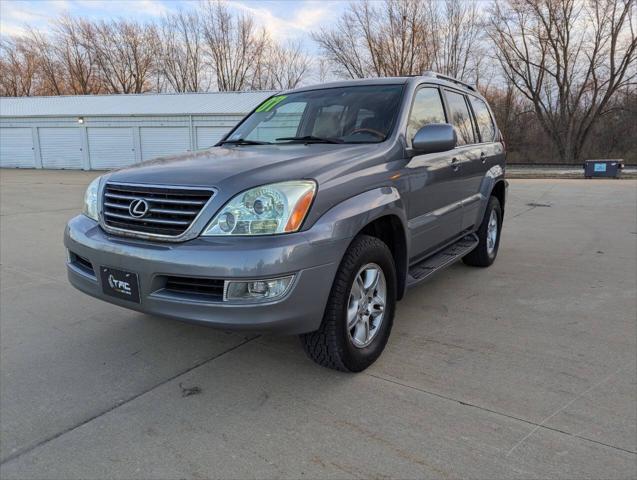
(523, 370)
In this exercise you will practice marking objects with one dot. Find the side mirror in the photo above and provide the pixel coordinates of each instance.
(435, 137)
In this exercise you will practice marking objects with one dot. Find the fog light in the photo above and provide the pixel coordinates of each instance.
(258, 288)
(255, 290)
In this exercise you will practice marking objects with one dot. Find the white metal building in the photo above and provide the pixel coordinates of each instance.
(108, 131)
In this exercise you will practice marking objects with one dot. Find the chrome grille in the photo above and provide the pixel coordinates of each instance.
(165, 211)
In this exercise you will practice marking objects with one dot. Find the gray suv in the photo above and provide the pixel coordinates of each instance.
(312, 216)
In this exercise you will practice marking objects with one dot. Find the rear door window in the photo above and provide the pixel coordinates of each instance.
(460, 117)
(427, 108)
(483, 119)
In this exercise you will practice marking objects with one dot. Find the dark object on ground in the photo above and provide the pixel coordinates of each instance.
(603, 168)
(187, 391)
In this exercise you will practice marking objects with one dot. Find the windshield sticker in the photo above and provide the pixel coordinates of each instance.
(271, 103)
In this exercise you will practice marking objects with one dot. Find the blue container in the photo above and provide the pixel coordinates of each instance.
(603, 168)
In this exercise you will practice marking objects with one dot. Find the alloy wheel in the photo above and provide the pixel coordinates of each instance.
(492, 232)
(366, 305)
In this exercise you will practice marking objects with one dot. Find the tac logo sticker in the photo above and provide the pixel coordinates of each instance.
(119, 285)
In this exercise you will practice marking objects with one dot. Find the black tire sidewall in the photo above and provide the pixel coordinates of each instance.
(480, 256)
(357, 359)
(494, 204)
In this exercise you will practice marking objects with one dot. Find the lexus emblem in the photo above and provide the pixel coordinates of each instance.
(138, 208)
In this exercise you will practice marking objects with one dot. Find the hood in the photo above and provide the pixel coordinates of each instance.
(243, 167)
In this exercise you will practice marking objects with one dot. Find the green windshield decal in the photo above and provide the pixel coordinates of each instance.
(270, 103)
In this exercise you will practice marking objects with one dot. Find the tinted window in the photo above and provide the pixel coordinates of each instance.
(284, 123)
(460, 118)
(363, 114)
(427, 108)
(357, 114)
(330, 121)
(483, 119)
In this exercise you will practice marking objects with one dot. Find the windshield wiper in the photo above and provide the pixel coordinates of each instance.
(310, 139)
(245, 141)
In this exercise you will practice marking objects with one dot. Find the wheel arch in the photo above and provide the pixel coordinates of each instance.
(499, 191)
(390, 230)
(379, 212)
(494, 184)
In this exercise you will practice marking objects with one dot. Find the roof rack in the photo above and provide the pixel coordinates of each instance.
(440, 76)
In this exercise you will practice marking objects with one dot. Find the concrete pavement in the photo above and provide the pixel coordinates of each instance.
(523, 370)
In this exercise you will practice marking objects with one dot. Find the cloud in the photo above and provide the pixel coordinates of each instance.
(305, 18)
(10, 30)
(15, 16)
(123, 8)
(283, 20)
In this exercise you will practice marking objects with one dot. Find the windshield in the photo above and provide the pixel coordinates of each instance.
(357, 114)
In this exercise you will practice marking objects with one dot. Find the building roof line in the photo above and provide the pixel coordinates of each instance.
(219, 103)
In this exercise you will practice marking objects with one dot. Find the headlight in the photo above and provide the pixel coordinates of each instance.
(90, 200)
(276, 208)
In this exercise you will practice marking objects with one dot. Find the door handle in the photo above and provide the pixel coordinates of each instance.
(483, 157)
(455, 165)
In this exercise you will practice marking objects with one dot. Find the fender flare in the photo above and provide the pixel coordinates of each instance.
(347, 219)
(493, 177)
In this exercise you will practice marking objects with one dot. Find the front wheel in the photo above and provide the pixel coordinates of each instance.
(360, 310)
(488, 235)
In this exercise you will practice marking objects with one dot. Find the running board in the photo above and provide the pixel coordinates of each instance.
(427, 267)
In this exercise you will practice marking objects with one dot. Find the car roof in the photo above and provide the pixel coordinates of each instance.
(354, 82)
(429, 77)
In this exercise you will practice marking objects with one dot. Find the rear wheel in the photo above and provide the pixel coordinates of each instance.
(360, 310)
(488, 235)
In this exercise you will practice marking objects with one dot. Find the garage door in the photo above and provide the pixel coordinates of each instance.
(16, 147)
(60, 147)
(208, 136)
(163, 141)
(111, 147)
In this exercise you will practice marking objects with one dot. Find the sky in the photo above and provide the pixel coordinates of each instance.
(284, 19)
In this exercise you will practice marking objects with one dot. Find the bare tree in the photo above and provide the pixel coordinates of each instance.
(75, 56)
(568, 58)
(405, 37)
(235, 45)
(60, 61)
(51, 71)
(456, 38)
(125, 52)
(282, 67)
(322, 70)
(510, 110)
(181, 60)
(617, 130)
(387, 39)
(18, 68)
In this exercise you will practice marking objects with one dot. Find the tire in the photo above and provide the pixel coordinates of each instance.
(335, 346)
(486, 252)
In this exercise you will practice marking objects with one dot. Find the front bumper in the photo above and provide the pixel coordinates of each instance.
(313, 263)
